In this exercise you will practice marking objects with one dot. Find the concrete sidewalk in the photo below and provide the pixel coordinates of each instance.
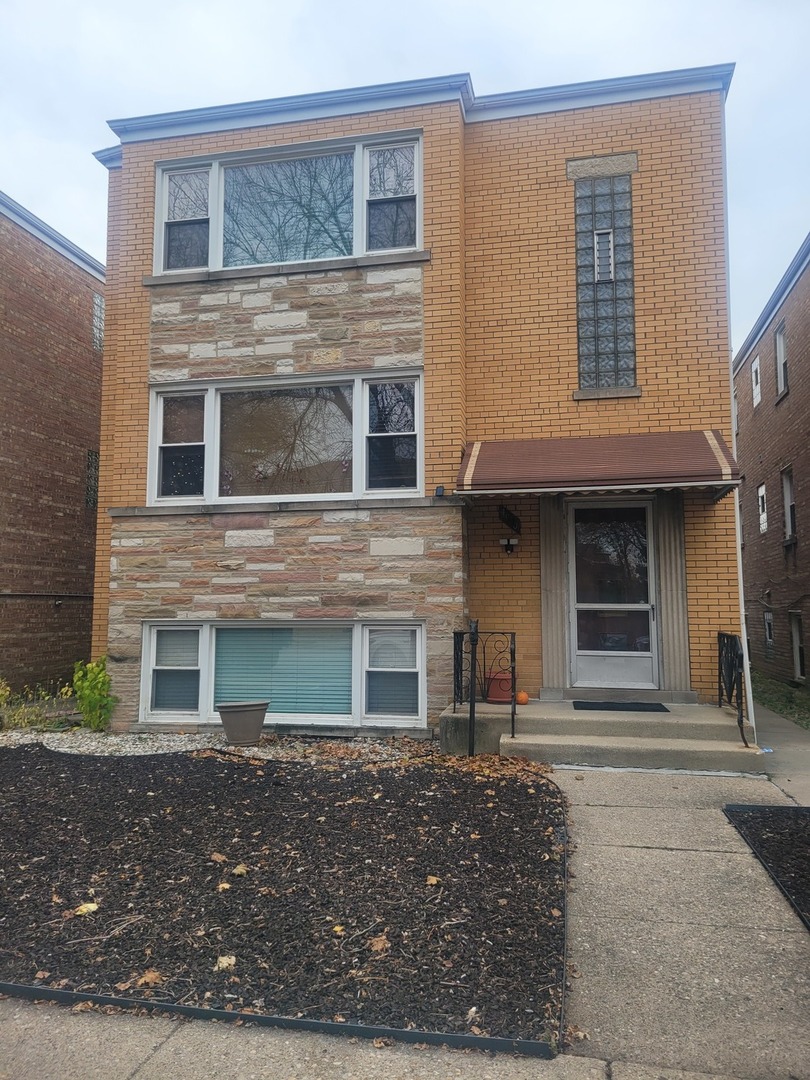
(686, 962)
(684, 953)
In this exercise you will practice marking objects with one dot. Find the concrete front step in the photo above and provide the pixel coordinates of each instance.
(690, 723)
(648, 753)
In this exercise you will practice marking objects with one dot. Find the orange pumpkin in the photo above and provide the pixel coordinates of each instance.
(522, 698)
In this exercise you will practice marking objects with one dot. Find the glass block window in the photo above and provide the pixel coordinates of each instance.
(91, 480)
(98, 322)
(605, 298)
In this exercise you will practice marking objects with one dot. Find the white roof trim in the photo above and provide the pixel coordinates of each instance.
(291, 109)
(418, 92)
(36, 227)
(798, 265)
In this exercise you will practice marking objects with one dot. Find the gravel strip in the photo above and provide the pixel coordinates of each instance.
(280, 747)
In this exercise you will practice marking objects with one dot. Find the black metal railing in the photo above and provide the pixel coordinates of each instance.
(730, 669)
(483, 669)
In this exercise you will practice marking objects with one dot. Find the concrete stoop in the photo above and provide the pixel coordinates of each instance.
(694, 737)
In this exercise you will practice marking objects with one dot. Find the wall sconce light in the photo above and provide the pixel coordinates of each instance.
(509, 544)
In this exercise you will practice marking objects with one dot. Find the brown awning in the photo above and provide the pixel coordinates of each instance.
(608, 463)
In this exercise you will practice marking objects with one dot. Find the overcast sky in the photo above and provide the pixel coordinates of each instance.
(70, 65)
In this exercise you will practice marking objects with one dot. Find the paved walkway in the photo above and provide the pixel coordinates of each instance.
(688, 962)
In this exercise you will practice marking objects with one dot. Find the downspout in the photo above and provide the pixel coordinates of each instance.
(749, 697)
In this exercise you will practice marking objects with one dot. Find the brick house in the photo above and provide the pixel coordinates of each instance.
(51, 336)
(772, 398)
(353, 334)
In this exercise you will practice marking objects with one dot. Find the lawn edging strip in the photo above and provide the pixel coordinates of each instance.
(525, 1047)
(751, 822)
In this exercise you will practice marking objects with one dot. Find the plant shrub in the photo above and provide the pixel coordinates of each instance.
(91, 688)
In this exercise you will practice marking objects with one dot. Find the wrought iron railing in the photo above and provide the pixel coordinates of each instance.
(730, 670)
(483, 662)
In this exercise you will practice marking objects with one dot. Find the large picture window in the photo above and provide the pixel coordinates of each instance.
(341, 673)
(351, 200)
(342, 438)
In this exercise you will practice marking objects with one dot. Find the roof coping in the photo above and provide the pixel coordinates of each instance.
(36, 227)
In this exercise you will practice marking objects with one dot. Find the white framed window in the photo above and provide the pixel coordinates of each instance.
(339, 437)
(767, 619)
(789, 504)
(391, 662)
(780, 351)
(756, 386)
(762, 508)
(174, 683)
(301, 204)
(337, 673)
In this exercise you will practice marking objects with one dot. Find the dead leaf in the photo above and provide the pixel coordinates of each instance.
(42, 975)
(85, 909)
(503, 903)
(56, 899)
(223, 885)
(123, 985)
(82, 1006)
(556, 912)
(431, 880)
(379, 943)
(240, 870)
(216, 857)
(475, 835)
(150, 977)
(339, 930)
(225, 963)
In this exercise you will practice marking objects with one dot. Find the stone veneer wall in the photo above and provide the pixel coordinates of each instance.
(337, 320)
(379, 563)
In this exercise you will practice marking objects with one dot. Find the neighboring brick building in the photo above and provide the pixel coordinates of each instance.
(51, 335)
(321, 308)
(772, 395)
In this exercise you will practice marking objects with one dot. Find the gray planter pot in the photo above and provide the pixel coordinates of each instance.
(243, 721)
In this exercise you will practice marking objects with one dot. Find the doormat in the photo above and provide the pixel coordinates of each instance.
(779, 836)
(622, 706)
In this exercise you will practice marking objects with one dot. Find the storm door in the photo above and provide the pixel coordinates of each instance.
(612, 605)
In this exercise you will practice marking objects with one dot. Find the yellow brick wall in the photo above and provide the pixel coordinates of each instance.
(504, 590)
(711, 585)
(521, 276)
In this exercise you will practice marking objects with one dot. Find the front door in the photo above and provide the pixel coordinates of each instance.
(612, 605)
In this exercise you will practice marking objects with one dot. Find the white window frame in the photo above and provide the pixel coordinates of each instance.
(367, 629)
(150, 651)
(216, 194)
(212, 390)
(767, 620)
(756, 382)
(795, 623)
(780, 351)
(789, 503)
(358, 717)
(762, 508)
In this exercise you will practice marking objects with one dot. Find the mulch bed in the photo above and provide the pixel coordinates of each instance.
(780, 838)
(422, 893)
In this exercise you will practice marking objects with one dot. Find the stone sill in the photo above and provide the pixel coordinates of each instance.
(185, 277)
(598, 393)
(306, 507)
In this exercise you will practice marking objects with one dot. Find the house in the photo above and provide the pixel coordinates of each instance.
(772, 407)
(359, 340)
(51, 337)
